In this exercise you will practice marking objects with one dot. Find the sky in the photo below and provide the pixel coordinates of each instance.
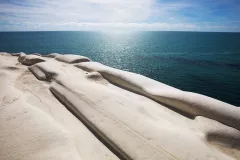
(120, 15)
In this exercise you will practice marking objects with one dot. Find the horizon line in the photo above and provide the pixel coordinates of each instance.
(124, 31)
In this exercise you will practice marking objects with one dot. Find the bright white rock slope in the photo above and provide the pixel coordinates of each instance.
(67, 106)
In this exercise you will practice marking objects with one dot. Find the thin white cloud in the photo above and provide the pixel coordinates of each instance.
(130, 26)
(98, 15)
(118, 26)
(82, 10)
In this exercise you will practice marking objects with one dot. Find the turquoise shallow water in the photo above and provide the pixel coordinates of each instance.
(206, 63)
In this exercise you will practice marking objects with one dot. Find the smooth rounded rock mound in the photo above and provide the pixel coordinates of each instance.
(70, 58)
(30, 59)
(52, 55)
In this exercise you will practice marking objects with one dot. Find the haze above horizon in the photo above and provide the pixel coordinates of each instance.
(120, 15)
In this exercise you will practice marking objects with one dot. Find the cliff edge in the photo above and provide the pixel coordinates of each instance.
(68, 107)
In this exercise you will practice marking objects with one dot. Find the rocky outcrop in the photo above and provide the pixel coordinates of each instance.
(52, 55)
(87, 110)
(190, 103)
(69, 58)
(30, 59)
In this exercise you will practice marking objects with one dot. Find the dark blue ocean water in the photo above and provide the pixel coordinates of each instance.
(206, 63)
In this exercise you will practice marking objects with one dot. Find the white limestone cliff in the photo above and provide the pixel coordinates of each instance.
(67, 107)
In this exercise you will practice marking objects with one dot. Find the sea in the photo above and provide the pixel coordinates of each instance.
(203, 62)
